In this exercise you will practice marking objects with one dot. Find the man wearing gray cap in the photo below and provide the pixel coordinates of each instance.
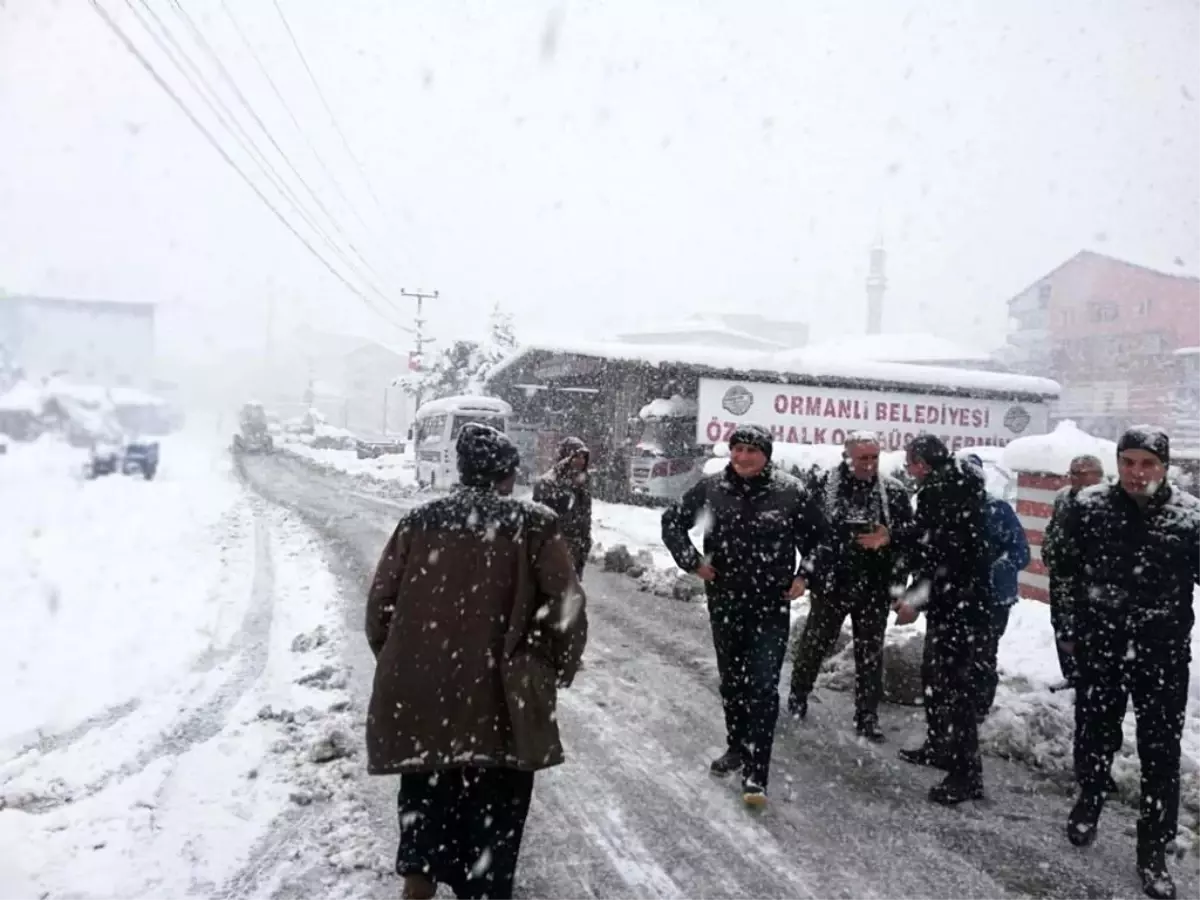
(1135, 556)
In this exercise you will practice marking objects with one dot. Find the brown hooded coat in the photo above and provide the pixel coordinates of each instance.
(475, 618)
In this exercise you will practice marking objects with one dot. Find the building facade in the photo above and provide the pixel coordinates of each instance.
(100, 342)
(1107, 331)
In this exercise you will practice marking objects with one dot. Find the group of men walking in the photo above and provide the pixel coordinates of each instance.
(477, 617)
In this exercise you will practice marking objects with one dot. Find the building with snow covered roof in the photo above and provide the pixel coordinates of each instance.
(599, 390)
(1106, 329)
(104, 342)
(915, 348)
(734, 331)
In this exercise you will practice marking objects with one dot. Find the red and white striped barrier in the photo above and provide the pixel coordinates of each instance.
(1035, 505)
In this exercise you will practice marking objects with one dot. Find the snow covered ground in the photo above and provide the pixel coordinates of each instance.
(172, 685)
(397, 468)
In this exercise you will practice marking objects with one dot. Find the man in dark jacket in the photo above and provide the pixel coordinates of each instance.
(475, 618)
(756, 521)
(1008, 552)
(869, 518)
(1085, 471)
(1133, 550)
(567, 490)
(950, 565)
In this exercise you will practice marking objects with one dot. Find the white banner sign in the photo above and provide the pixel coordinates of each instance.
(804, 414)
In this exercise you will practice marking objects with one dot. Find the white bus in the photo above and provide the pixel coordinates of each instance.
(436, 427)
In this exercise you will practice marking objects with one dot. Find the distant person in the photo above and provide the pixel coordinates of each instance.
(1009, 554)
(756, 521)
(475, 618)
(567, 490)
(951, 582)
(1133, 550)
(858, 567)
(1085, 471)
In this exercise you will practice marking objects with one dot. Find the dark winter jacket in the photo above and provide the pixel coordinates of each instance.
(1138, 566)
(753, 529)
(475, 618)
(1054, 551)
(949, 555)
(569, 494)
(852, 507)
(1009, 551)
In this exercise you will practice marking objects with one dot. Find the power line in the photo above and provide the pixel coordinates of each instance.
(212, 54)
(332, 118)
(227, 119)
(158, 79)
(200, 84)
(295, 121)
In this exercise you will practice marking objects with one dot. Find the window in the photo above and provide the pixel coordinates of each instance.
(1142, 307)
(1102, 311)
(1043, 296)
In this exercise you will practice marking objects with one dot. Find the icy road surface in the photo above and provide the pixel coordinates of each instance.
(635, 813)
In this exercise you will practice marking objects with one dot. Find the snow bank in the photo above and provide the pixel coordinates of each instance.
(1053, 452)
(22, 397)
(108, 583)
(398, 469)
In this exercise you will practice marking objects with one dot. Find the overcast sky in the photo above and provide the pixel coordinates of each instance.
(596, 166)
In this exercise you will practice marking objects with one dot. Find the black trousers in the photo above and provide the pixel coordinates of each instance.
(463, 827)
(1113, 663)
(868, 612)
(948, 673)
(750, 635)
(987, 677)
(1059, 598)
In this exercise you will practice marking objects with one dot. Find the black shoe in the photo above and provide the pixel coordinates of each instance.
(726, 764)
(754, 794)
(1156, 880)
(925, 756)
(797, 706)
(1084, 817)
(869, 729)
(956, 789)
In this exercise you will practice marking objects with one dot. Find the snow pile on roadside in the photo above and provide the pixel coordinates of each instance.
(175, 719)
(397, 469)
(143, 564)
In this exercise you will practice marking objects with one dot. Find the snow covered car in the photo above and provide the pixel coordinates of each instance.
(134, 458)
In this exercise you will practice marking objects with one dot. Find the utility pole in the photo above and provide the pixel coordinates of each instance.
(420, 339)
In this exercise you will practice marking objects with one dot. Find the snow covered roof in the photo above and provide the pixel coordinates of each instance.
(1052, 453)
(718, 332)
(1187, 351)
(663, 408)
(22, 397)
(465, 403)
(911, 347)
(794, 363)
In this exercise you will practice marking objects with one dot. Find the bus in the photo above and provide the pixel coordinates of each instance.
(436, 427)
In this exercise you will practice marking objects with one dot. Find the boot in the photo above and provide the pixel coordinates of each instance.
(754, 795)
(956, 789)
(726, 764)
(1152, 867)
(1084, 817)
(868, 727)
(797, 706)
(1157, 882)
(419, 887)
(926, 755)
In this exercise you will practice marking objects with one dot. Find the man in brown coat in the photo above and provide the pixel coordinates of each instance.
(475, 618)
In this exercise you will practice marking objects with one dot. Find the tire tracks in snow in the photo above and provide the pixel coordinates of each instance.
(244, 658)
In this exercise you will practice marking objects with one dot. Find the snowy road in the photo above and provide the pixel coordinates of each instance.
(634, 812)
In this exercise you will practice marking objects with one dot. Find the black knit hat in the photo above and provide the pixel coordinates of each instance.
(753, 436)
(1149, 438)
(572, 446)
(485, 456)
(929, 449)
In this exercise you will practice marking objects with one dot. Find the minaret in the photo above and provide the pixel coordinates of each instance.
(876, 283)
